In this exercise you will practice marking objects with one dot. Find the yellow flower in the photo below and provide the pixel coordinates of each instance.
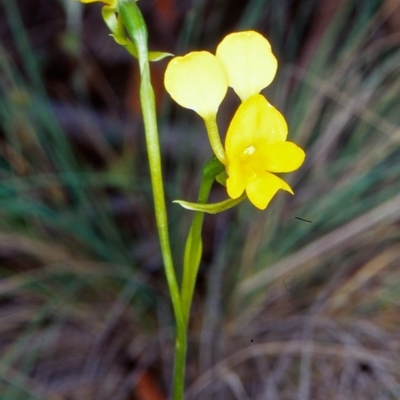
(256, 147)
(255, 144)
(199, 80)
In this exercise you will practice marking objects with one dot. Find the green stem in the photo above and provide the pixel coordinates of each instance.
(136, 27)
(215, 139)
(194, 246)
(193, 251)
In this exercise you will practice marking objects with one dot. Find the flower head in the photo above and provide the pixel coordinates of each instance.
(255, 144)
(256, 148)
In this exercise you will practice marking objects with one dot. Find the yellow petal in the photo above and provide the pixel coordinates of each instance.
(248, 62)
(236, 182)
(196, 81)
(263, 187)
(282, 157)
(255, 122)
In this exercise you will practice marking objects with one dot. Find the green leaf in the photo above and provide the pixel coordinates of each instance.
(158, 55)
(214, 208)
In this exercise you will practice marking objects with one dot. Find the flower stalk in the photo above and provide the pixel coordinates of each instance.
(194, 245)
(215, 139)
(136, 27)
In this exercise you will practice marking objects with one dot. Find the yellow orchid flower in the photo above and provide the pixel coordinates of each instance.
(255, 144)
(256, 147)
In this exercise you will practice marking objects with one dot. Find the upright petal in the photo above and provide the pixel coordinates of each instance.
(248, 61)
(255, 122)
(263, 187)
(196, 81)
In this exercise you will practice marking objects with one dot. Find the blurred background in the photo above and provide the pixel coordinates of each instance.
(301, 301)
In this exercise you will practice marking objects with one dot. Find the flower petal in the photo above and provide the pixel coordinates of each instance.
(236, 182)
(255, 122)
(282, 157)
(196, 81)
(248, 61)
(263, 187)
